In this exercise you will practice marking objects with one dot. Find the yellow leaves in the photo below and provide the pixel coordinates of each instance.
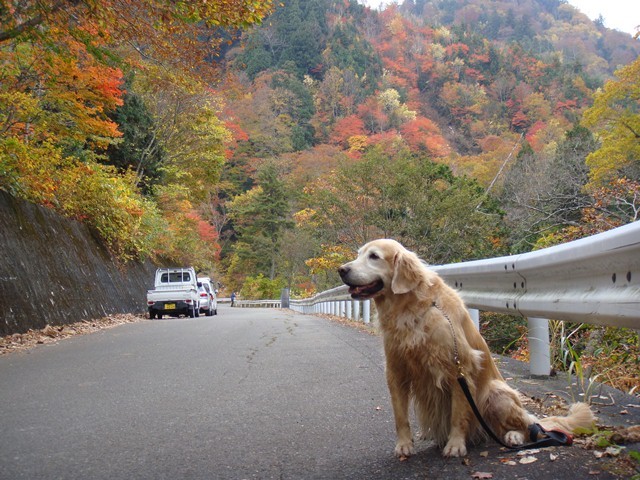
(398, 113)
(358, 143)
(305, 217)
(396, 26)
(332, 256)
(93, 193)
(615, 115)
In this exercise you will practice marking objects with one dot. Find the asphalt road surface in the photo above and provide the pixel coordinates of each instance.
(250, 393)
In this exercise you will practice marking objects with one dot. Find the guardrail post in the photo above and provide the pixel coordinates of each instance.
(348, 305)
(356, 309)
(366, 311)
(475, 316)
(285, 297)
(539, 353)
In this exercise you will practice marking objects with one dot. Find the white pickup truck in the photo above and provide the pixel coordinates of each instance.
(175, 293)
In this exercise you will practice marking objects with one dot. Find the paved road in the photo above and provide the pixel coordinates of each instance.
(250, 393)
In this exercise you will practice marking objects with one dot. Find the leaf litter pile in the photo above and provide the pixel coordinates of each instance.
(52, 334)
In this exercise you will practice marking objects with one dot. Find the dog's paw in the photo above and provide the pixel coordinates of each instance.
(513, 438)
(404, 449)
(455, 448)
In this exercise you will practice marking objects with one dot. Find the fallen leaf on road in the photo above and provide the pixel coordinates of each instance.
(609, 452)
(626, 435)
(525, 453)
(613, 451)
(484, 454)
(481, 475)
(526, 460)
(553, 457)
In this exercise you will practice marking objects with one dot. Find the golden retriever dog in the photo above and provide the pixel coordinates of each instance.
(424, 323)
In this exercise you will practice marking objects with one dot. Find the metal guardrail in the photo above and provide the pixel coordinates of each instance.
(257, 303)
(336, 301)
(592, 280)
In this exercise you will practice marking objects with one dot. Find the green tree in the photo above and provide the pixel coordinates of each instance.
(138, 149)
(412, 199)
(260, 218)
(186, 129)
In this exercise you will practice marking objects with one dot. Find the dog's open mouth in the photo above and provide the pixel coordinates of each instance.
(362, 292)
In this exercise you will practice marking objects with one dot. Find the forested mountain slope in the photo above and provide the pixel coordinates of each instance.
(263, 142)
(494, 90)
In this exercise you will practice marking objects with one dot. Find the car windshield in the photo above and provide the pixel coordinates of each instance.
(175, 277)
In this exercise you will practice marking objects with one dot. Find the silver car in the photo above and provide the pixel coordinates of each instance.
(207, 295)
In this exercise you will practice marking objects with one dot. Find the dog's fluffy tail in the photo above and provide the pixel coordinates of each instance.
(579, 416)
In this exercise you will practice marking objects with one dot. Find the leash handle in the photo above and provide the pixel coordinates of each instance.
(554, 438)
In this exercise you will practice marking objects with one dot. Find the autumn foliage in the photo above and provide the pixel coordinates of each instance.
(269, 153)
(62, 71)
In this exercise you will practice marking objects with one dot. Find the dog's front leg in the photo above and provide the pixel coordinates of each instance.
(461, 414)
(399, 390)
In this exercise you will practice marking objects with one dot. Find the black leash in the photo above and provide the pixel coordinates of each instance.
(538, 436)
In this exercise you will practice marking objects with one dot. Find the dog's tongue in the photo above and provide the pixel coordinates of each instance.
(358, 289)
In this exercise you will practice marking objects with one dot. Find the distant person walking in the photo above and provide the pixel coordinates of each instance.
(233, 298)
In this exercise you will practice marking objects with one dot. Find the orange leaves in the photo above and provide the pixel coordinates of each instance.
(206, 232)
(423, 134)
(346, 128)
(456, 50)
(56, 96)
(31, 171)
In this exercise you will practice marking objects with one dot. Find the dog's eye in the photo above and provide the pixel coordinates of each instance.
(373, 256)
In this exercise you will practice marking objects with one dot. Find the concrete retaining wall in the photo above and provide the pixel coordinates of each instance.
(54, 271)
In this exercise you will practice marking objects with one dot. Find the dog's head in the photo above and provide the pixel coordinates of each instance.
(383, 267)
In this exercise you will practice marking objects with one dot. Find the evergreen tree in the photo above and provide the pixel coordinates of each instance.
(138, 149)
(261, 216)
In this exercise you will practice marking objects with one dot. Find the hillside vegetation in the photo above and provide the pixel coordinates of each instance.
(264, 142)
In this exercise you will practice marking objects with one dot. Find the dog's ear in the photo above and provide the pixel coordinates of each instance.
(407, 272)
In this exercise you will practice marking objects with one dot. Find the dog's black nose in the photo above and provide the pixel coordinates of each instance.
(343, 271)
